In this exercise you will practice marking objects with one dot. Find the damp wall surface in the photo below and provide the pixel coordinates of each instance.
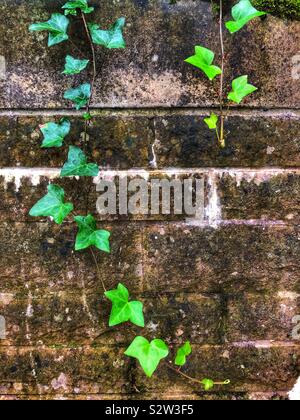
(230, 284)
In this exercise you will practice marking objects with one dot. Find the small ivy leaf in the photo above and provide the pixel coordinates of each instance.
(54, 134)
(88, 235)
(77, 164)
(80, 95)
(57, 27)
(212, 121)
(182, 353)
(72, 6)
(87, 116)
(112, 38)
(242, 13)
(53, 205)
(203, 60)
(208, 384)
(148, 354)
(122, 309)
(240, 89)
(74, 66)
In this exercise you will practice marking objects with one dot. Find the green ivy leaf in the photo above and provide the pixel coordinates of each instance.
(122, 309)
(72, 6)
(88, 235)
(240, 89)
(74, 66)
(208, 384)
(212, 121)
(53, 205)
(182, 353)
(57, 27)
(148, 354)
(242, 13)
(203, 60)
(80, 95)
(77, 164)
(113, 38)
(54, 134)
(87, 116)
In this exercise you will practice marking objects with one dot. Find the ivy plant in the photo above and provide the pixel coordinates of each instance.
(242, 13)
(123, 309)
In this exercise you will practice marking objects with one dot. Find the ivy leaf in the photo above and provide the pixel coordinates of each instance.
(57, 27)
(182, 353)
(53, 205)
(208, 384)
(113, 38)
(242, 13)
(80, 95)
(72, 6)
(240, 89)
(87, 116)
(77, 164)
(54, 134)
(88, 235)
(74, 66)
(212, 121)
(148, 354)
(122, 309)
(203, 60)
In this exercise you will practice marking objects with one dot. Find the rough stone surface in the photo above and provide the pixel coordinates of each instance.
(151, 71)
(228, 283)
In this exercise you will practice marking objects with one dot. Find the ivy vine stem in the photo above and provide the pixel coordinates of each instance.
(222, 116)
(191, 379)
(94, 71)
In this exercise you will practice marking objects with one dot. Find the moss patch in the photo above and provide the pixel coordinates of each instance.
(282, 8)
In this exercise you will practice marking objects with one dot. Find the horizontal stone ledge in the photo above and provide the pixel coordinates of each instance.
(107, 370)
(147, 73)
(66, 318)
(227, 259)
(78, 319)
(181, 140)
(201, 396)
(238, 195)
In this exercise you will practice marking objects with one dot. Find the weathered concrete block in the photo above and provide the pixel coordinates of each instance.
(41, 257)
(68, 371)
(250, 369)
(78, 319)
(151, 71)
(229, 259)
(262, 317)
(253, 140)
(267, 195)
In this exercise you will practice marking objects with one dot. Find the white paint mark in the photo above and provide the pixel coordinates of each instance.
(16, 175)
(213, 210)
(294, 394)
(2, 68)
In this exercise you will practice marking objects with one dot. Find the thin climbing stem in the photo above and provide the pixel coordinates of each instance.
(94, 71)
(98, 270)
(191, 379)
(222, 116)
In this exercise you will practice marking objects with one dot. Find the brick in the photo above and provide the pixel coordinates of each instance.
(49, 371)
(253, 140)
(117, 141)
(40, 256)
(254, 317)
(147, 73)
(260, 195)
(76, 319)
(250, 369)
(227, 259)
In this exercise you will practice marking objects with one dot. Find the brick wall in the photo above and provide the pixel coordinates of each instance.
(230, 285)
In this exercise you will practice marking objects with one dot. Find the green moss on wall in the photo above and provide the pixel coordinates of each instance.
(281, 8)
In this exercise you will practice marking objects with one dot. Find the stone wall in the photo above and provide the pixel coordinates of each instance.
(230, 285)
